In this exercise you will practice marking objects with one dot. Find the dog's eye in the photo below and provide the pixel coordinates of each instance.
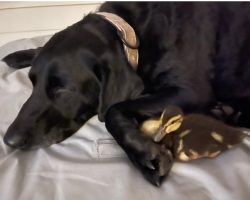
(54, 84)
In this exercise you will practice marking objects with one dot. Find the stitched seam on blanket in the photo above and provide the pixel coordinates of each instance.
(103, 144)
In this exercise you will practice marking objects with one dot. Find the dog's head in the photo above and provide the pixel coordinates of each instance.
(65, 95)
(75, 76)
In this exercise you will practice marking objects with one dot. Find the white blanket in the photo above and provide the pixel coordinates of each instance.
(91, 166)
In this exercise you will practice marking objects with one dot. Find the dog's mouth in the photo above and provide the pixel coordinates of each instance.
(35, 140)
(31, 146)
(24, 143)
(27, 147)
(28, 144)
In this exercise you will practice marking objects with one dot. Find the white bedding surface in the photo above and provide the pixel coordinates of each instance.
(91, 166)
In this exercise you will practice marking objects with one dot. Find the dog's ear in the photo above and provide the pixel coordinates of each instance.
(118, 83)
(21, 59)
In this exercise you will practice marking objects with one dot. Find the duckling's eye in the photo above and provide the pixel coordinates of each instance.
(173, 120)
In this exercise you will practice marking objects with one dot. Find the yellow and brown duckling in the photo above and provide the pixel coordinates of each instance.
(192, 136)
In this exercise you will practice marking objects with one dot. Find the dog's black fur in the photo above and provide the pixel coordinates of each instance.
(191, 55)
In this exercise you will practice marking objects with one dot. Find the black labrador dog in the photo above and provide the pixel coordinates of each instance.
(191, 55)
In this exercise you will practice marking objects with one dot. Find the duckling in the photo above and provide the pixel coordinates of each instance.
(192, 136)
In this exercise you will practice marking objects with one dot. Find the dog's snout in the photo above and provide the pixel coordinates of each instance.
(14, 140)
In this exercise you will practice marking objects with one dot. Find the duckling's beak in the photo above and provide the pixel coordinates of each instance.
(172, 125)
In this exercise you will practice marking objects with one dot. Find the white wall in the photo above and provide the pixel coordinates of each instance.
(28, 19)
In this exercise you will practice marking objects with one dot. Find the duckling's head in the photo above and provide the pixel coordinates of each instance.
(171, 119)
(170, 114)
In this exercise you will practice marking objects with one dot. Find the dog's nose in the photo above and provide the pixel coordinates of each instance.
(14, 140)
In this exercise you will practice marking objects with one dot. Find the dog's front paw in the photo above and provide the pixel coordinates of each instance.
(154, 162)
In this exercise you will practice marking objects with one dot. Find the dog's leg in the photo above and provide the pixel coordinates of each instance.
(152, 159)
